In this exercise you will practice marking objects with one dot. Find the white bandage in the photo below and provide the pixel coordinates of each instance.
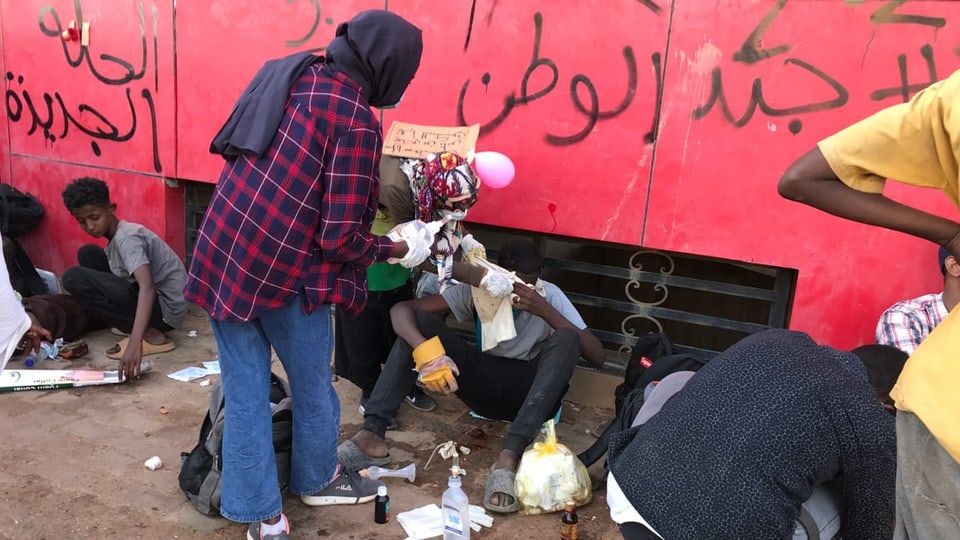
(472, 250)
(498, 284)
(419, 239)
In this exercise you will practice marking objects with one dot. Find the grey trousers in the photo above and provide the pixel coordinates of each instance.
(928, 484)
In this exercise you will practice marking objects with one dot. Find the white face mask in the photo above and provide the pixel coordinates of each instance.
(455, 215)
(394, 106)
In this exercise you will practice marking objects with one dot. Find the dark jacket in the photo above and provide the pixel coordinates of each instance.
(735, 454)
(378, 50)
(256, 116)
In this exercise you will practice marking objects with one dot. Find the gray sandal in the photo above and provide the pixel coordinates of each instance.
(501, 481)
(353, 459)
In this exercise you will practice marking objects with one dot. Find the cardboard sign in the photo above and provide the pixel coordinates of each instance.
(416, 141)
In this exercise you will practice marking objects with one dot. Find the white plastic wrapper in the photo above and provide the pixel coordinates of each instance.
(549, 476)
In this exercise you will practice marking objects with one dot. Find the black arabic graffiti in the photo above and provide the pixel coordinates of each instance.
(53, 108)
(906, 89)
(473, 14)
(312, 31)
(651, 136)
(53, 118)
(590, 110)
(652, 6)
(129, 75)
(757, 99)
(751, 51)
(886, 14)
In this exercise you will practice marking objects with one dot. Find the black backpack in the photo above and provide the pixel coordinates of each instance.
(653, 359)
(200, 469)
(20, 212)
(23, 274)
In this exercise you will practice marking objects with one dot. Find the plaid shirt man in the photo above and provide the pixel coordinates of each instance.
(905, 324)
(298, 217)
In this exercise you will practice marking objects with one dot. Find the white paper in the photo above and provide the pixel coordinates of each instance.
(427, 521)
(423, 522)
(189, 374)
(213, 367)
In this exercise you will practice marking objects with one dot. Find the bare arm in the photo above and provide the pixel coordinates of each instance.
(133, 354)
(403, 315)
(529, 300)
(811, 181)
(462, 272)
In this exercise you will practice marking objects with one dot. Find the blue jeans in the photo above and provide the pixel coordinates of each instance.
(304, 343)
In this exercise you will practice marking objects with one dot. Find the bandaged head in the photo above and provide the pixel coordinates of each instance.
(444, 184)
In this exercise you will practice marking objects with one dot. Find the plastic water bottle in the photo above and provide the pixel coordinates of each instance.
(456, 511)
(47, 350)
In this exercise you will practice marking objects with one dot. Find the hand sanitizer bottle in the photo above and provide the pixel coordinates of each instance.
(456, 511)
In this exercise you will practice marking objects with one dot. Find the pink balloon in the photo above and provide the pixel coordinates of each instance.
(494, 169)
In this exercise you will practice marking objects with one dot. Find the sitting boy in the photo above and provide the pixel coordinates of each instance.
(521, 380)
(135, 284)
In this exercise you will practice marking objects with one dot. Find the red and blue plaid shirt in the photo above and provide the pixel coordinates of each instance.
(905, 324)
(296, 219)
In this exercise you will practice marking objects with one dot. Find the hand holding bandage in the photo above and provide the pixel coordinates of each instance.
(435, 367)
(496, 281)
(472, 249)
(419, 238)
(498, 284)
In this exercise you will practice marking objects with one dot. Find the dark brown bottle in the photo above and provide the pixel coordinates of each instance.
(381, 506)
(568, 522)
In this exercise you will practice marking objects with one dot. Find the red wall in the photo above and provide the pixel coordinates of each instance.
(642, 122)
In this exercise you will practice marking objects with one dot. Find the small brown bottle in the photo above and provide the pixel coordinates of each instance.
(381, 506)
(568, 522)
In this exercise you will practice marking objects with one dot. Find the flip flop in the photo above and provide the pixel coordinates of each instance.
(501, 481)
(353, 459)
(74, 349)
(116, 352)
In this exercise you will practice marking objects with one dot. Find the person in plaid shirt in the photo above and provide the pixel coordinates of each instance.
(905, 324)
(285, 238)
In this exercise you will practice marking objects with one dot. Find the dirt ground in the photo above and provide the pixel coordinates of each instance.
(73, 459)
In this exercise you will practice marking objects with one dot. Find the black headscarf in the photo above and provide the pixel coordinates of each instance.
(379, 50)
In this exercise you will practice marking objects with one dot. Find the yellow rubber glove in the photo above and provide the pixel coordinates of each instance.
(435, 367)
(438, 376)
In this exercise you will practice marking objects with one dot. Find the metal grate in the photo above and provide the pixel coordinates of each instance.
(198, 196)
(704, 305)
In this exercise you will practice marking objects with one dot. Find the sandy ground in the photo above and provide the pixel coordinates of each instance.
(73, 459)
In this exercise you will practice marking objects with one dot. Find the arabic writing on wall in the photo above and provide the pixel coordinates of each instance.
(585, 100)
(126, 110)
(53, 115)
(750, 52)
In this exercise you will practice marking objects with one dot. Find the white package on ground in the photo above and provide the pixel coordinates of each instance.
(427, 521)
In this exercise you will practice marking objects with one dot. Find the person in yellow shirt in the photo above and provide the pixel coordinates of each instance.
(916, 143)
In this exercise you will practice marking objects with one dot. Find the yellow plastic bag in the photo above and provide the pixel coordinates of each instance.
(549, 476)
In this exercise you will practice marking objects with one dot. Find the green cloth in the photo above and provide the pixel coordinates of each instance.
(383, 276)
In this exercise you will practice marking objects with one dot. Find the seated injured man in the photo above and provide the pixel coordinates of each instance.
(529, 344)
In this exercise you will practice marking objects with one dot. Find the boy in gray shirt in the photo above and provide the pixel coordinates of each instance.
(135, 284)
